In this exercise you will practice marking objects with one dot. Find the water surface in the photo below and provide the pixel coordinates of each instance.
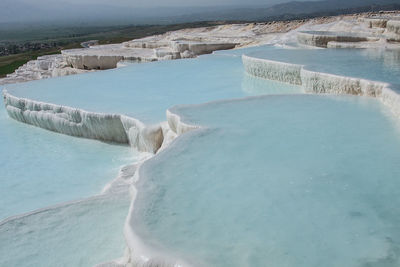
(279, 181)
(40, 168)
(81, 234)
(372, 64)
(146, 91)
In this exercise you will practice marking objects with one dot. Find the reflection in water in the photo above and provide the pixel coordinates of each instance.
(258, 86)
(389, 57)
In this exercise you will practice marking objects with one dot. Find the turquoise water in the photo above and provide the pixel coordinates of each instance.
(80, 234)
(372, 64)
(295, 180)
(41, 168)
(277, 181)
(145, 91)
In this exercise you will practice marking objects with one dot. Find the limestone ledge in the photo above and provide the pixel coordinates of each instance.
(322, 38)
(107, 56)
(376, 22)
(393, 26)
(378, 28)
(137, 253)
(77, 122)
(42, 68)
(322, 83)
(101, 57)
(112, 128)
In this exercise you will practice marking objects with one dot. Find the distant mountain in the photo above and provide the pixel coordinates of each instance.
(295, 9)
(13, 12)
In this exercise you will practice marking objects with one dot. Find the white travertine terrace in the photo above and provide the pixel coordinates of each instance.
(313, 82)
(100, 126)
(191, 42)
(376, 22)
(379, 28)
(321, 39)
(105, 56)
(358, 45)
(317, 82)
(77, 122)
(42, 68)
(393, 26)
(393, 30)
(137, 254)
(181, 44)
(176, 125)
(272, 70)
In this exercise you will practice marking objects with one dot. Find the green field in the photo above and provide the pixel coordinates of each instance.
(8, 64)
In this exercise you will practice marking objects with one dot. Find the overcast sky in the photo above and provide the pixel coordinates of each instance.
(156, 11)
(13, 11)
(162, 3)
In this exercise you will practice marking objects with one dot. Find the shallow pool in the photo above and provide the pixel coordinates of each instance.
(299, 180)
(282, 180)
(372, 64)
(145, 91)
(79, 234)
(40, 168)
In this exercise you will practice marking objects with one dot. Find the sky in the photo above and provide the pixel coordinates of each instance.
(158, 3)
(14, 11)
(150, 11)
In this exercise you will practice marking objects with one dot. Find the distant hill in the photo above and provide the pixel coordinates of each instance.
(295, 9)
(14, 12)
